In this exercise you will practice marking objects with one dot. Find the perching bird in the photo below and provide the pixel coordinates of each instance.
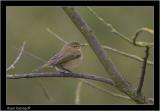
(69, 57)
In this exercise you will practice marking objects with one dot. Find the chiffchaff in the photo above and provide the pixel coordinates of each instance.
(69, 57)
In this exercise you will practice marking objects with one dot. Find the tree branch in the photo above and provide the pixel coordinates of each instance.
(121, 83)
(60, 74)
(140, 85)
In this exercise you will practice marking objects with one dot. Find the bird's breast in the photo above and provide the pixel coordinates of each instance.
(73, 63)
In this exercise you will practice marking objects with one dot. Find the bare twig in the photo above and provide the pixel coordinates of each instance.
(58, 37)
(59, 74)
(121, 83)
(32, 55)
(104, 90)
(140, 85)
(138, 32)
(114, 30)
(55, 35)
(12, 66)
(45, 90)
(78, 90)
(132, 56)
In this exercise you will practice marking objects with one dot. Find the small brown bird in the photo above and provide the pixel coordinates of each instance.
(69, 57)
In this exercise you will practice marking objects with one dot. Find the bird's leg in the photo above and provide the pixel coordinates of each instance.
(68, 71)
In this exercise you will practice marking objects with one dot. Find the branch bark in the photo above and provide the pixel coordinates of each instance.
(60, 74)
(120, 82)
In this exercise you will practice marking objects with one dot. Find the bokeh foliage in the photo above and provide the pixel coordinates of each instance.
(29, 24)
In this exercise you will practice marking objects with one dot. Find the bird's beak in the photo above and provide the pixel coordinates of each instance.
(82, 45)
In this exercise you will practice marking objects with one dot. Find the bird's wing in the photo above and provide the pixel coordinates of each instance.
(62, 58)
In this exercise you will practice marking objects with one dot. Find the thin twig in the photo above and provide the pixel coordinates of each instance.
(45, 90)
(132, 56)
(58, 37)
(114, 30)
(60, 74)
(78, 90)
(140, 85)
(138, 32)
(104, 90)
(55, 35)
(32, 55)
(12, 66)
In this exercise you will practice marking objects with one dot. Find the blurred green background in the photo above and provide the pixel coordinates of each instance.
(29, 24)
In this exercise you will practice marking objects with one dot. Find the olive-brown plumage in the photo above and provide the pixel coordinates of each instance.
(69, 57)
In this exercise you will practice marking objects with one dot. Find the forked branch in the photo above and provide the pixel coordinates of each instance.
(120, 82)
